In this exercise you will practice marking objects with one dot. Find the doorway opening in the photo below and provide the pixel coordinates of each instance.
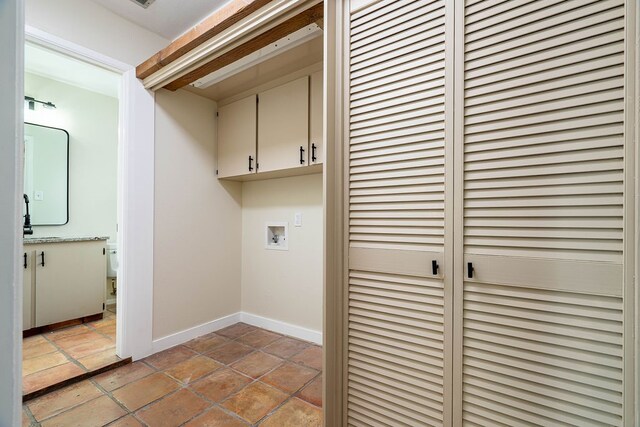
(71, 112)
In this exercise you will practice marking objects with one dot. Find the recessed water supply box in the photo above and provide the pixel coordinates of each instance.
(277, 236)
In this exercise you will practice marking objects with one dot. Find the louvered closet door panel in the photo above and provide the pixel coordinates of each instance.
(543, 167)
(398, 352)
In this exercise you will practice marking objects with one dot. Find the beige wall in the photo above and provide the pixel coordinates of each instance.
(90, 25)
(283, 285)
(92, 122)
(197, 247)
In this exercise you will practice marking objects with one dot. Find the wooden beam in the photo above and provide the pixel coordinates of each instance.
(303, 19)
(220, 20)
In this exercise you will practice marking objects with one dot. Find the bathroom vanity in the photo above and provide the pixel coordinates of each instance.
(63, 280)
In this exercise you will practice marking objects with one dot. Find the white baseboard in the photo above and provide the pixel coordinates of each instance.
(110, 301)
(197, 331)
(251, 319)
(282, 327)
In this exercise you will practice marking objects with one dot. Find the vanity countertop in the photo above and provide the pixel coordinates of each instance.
(39, 240)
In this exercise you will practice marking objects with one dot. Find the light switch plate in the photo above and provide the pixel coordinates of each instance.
(38, 195)
(297, 221)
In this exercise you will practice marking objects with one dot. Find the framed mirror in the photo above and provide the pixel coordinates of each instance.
(46, 174)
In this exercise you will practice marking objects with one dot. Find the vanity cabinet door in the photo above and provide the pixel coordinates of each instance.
(237, 138)
(283, 126)
(70, 284)
(27, 290)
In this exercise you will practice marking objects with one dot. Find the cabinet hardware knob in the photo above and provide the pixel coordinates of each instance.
(301, 155)
(42, 258)
(470, 270)
(434, 267)
(313, 153)
(25, 260)
(250, 163)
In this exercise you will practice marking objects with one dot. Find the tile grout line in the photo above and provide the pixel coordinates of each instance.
(223, 366)
(291, 396)
(188, 386)
(274, 410)
(75, 362)
(133, 413)
(183, 386)
(214, 404)
(97, 331)
(32, 418)
(110, 395)
(253, 380)
(104, 391)
(65, 354)
(258, 379)
(66, 410)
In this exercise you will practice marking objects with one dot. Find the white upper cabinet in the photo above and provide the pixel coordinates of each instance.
(316, 134)
(237, 138)
(283, 126)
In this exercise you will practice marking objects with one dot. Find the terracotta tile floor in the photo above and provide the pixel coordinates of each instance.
(239, 376)
(53, 357)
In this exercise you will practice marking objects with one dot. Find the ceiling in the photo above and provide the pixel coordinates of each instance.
(56, 66)
(167, 18)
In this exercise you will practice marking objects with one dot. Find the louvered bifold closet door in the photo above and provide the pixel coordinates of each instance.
(543, 164)
(398, 305)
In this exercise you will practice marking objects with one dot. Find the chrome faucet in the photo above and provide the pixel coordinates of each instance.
(26, 228)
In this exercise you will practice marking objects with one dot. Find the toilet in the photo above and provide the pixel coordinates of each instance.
(112, 260)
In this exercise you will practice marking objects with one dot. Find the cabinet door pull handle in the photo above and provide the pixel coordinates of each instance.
(434, 267)
(301, 155)
(250, 163)
(42, 258)
(470, 270)
(313, 153)
(25, 260)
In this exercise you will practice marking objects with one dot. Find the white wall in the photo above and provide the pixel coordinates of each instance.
(92, 26)
(92, 122)
(11, 46)
(283, 285)
(197, 246)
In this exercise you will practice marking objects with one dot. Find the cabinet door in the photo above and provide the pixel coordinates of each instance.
(237, 138)
(541, 180)
(316, 130)
(70, 284)
(283, 126)
(27, 290)
(399, 218)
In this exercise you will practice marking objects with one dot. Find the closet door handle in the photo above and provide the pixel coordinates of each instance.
(250, 163)
(434, 267)
(301, 155)
(313, 153)
(25, 260)
(470, 270)
(42, 258)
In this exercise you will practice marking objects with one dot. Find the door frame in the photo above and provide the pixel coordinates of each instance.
(335, 245)
(11, 133)
(136, 123)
